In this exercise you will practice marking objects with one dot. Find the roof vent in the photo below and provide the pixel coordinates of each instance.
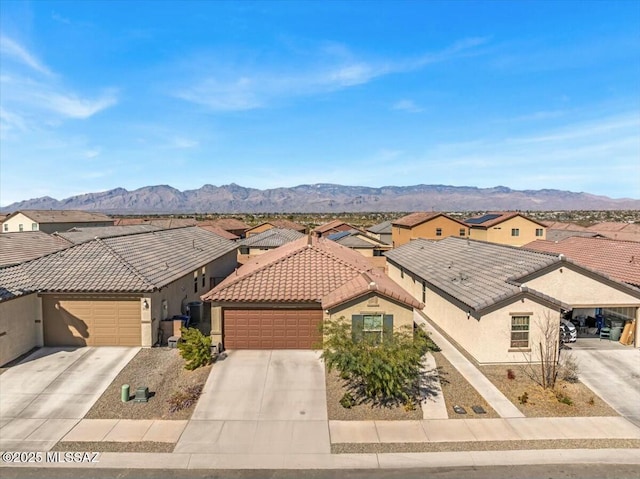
(373, 285)
(562, 257)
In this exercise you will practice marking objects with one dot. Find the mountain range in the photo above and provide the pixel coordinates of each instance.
(324, 198)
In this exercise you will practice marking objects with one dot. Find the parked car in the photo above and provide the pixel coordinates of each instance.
(568, 331)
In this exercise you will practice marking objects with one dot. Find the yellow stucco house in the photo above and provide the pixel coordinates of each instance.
(434, 226)
(511, 228)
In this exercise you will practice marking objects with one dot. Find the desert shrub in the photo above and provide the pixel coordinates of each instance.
(511, 374)
(564, 399)
(569, 370)
(524, 399)
(195, 348)
(347, 401)
(185, 399)
(380, 371)
(591, 401)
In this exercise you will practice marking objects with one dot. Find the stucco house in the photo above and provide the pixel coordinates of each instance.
(232, 225)
(110, 291)
(335, 226)
(269, 239)
(510, 228)
(494, 300)
(371, 248)
(20, 247)
(277, 223)
(279, 299)
(426, 225)
(51, 221)
(381, 231)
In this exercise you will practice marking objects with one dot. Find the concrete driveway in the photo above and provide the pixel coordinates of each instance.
(261, 402)
(614, 375)
(47, 393)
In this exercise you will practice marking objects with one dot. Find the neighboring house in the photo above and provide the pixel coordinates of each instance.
(232, 225)
(164, 223)
(220, 232)
(618, 231)
(494, 300)
(557, 231)
(108, 292)
(511, 228)
(279, 299)
(617, 259)
(357, 240)
(82, 235)
(381, 231)
(51, 221)
(267, 240)
(282, 224)
(426, 225)
(335, 226)
(20, 247)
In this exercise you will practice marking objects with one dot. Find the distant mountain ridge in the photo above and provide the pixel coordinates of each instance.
(324, 198)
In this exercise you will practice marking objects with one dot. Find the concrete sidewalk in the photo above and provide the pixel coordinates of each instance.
(472, 430)
(479, 381)
(111, 460)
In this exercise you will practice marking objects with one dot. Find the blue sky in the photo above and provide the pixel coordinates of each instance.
(529, 95)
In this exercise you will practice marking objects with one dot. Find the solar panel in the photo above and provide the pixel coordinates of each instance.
(482, 219)
(337, 236)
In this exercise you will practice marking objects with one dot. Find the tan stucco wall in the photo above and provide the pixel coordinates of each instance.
(15, 222)
(427, 230)
(181, 292)
(501, 233)
(579, 290)
(259, 229)
(402, 315)
(20, 326)
(487, 339)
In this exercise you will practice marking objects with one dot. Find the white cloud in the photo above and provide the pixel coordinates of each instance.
(183, 143)
(13, 50)
(73, 106)
(407, 105)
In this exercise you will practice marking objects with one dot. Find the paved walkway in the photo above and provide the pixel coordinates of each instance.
(433, 405)
(479, 381)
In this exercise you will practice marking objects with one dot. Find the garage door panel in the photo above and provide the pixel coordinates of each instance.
(91, 321)
(272, 328)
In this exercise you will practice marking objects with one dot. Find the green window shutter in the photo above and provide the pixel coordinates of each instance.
(357, 325)
(387, 326)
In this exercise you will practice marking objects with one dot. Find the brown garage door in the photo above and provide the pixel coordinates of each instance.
(90, 321)
(271, 328)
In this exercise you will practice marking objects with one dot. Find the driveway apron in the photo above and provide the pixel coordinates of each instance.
(261, 402)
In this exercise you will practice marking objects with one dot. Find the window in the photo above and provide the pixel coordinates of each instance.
(519, 331)
(20, 228)
(195, 281)
(424, 292)
(6, 227)
(515, 231)
(463, 232)
(203, 276)
(402, 273)
(371, 327)
(378, 252)
(539, 231)
(34, 226)
(438, 231)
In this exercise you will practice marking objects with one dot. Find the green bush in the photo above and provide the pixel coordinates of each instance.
(382, 372)
(195, 348)
(347, 401)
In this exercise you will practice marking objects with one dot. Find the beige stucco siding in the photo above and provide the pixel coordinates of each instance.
(27, 225)
(502, 234)
(15, 222)
(427, 230)
(20, 326)
(580, 290)
(373, 304)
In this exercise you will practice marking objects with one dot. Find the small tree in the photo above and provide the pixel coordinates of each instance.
(384, 371)
(195, 348)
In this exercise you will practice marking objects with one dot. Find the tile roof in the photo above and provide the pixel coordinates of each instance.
(494, 218)
(332, 225)
(160, 222)
(559, 235)
(560, 225)
(140, 262)
(219, 231)
(230, 224)
(617, 259)
(307, 270)
(619, 231)
(63, 216)
(357, 239)
(415, 219)
(477, 273)
(87, 233)
(14, 282)
(381, 228)
(284, 224)
(272, 238)
(24, 246)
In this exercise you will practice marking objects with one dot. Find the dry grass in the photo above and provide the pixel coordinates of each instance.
(105, 446)
(159, 369)
(458, 392)
(544, 403)
(336, 388)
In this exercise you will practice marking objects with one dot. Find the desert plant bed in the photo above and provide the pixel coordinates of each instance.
(568, 399)
(458, 392)
(163, 371)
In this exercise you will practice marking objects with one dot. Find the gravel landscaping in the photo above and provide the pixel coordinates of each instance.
(336, 387)
(159, 369)
(362, 448)
(458, 392)
(544, 403)
(114, 446)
